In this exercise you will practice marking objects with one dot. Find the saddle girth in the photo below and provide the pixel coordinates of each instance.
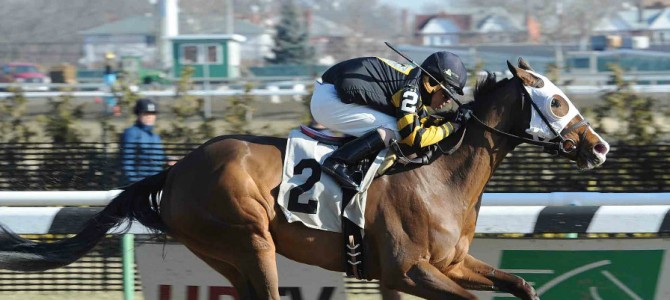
(353, 242)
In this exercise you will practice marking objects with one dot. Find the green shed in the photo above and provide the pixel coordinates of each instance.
(212, 56)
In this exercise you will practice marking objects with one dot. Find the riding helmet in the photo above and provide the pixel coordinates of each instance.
(449, 69)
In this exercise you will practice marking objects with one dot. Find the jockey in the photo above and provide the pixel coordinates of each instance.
(377, 100)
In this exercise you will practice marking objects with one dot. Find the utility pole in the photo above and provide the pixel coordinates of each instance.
(167, 23)
(230, 17)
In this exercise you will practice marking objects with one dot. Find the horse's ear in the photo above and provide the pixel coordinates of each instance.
(512, 68)
(526, 77)
(525, 65)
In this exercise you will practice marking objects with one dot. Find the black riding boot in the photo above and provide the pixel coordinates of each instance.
(337, 164)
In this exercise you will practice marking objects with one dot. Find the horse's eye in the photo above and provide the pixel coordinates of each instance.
(555, 103)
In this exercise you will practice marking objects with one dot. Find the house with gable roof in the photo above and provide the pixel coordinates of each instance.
(653, 23)
(130, 36)
(659, 27)
(469, 26)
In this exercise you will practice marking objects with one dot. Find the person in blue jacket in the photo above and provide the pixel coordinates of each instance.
(142, 152)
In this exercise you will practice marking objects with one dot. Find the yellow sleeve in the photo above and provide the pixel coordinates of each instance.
(411, 127)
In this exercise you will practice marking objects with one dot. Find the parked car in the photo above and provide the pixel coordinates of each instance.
(28, 75)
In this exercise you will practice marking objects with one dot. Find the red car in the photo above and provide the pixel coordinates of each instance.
(27, 75)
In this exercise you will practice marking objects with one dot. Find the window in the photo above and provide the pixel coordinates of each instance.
(150, 40)
(201, 54)
(189, 54)
(213, 54)
(25, 69)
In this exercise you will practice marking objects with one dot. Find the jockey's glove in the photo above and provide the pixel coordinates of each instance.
(463, 114)
(442, 117)
(434, 120)
(460, 116)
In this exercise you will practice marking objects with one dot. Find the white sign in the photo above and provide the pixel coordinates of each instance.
(172, 272)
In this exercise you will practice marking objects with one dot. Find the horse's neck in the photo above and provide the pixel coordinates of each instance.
(482, 151)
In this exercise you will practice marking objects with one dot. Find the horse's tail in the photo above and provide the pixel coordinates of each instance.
(137, 202)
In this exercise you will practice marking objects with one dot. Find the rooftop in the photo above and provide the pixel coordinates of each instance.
(188, 24)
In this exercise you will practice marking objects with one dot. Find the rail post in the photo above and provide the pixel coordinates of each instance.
(128, 255)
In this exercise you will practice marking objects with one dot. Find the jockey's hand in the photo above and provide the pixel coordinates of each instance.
(443, 116)
(463, 114)
(435, 120)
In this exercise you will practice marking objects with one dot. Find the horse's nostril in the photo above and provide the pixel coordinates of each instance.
(600, 149)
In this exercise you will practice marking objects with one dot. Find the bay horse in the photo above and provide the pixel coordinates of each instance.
(220, 202)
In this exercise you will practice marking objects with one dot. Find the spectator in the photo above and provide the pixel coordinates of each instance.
(142, 151)
(109, 78)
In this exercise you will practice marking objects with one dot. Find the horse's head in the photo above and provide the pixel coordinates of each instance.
(554, 118)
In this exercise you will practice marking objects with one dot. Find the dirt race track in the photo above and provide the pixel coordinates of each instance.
(119, 296)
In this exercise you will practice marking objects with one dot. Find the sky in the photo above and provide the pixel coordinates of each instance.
(413, 5)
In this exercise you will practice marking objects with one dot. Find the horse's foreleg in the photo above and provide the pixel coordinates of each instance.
(426, 281)
(474, 274)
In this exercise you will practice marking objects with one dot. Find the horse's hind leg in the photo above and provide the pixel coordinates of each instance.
(261, 270)
(477, 275)
(253, 271)
(241, 284)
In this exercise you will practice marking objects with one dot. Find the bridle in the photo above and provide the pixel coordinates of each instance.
(558, 146)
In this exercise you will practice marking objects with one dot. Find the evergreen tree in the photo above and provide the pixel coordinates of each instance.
(13, 128)
(126, 97)
(307, 102)
(185, 108)
(633, 113)
(473, 74)
(553, 72)
(238, 114)
(61, 123)
(292, 39)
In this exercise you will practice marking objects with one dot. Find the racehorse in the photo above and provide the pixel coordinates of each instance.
(220, 202)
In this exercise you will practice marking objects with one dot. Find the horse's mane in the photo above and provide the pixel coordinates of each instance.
(485, 84)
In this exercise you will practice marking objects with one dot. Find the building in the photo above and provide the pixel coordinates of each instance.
(653, 23)
(137, 36)
(212, 57)
(134, 36)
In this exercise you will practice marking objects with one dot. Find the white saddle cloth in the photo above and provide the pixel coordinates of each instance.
(309, 196)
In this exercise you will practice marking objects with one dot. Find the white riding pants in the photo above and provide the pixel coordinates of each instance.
(352, 119)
